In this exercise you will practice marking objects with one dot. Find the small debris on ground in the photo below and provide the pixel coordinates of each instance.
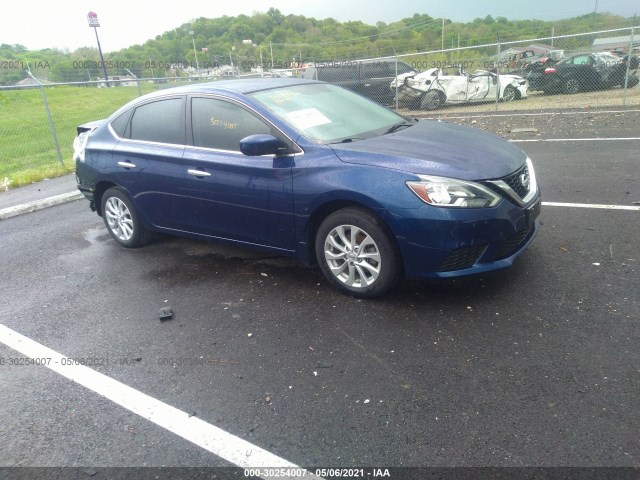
(166, 313)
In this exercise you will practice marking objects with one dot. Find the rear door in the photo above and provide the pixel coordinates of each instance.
(148, 159)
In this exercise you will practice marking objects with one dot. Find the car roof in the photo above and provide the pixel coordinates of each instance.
(238, 85)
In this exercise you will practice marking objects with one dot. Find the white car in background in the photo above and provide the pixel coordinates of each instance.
(436, 87)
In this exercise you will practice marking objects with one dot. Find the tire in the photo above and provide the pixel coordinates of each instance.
(632, 81)
(122, 220)
(432, 100)
(357, 254)
(571, 86)
(509, 94)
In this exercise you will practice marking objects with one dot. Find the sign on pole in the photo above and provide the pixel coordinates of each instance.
(92, 17)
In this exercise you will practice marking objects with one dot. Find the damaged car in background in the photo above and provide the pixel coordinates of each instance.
(582, 72)
(436, 87)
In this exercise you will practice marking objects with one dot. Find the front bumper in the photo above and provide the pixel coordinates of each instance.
(444, 243)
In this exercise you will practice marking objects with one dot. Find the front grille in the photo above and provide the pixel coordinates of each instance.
(462, 258)
(519, 181)
(510, 245)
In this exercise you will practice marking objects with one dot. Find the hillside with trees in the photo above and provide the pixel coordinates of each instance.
(266, 37)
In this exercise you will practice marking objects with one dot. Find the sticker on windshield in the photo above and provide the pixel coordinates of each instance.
(307, 118)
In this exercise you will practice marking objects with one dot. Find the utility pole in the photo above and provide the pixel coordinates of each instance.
(195, 52)
(443, 34)
(92, 17)
(271, 47)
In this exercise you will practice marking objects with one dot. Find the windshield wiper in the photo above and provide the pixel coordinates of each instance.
(398, 126)
(349, 140)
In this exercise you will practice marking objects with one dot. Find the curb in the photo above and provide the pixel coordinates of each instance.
(39, 204)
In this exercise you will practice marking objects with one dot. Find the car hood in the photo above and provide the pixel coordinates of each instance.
(436, 148)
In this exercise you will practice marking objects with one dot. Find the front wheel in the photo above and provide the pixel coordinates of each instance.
(432, 100)
(357, 254)
(122, 220)
(509, 94)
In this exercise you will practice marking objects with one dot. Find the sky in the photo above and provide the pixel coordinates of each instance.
(62, 24)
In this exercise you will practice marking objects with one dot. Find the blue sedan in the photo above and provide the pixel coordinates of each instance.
(310, 170)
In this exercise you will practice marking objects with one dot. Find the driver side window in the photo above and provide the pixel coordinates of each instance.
(221, 125)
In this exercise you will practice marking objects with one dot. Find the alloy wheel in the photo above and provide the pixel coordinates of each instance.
(352, 256)
(119, 218)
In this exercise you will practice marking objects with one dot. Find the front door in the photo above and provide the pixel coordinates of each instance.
(234, 196)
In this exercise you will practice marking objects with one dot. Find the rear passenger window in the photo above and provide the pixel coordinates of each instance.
(120, 123)
(160, 121)
(221, 125)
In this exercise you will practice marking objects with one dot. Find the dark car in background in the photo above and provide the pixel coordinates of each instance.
(312, 171)
(370, 78)
(582, 72)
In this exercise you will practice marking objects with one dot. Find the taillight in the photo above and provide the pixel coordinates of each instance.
(79, 145)
(549, 70)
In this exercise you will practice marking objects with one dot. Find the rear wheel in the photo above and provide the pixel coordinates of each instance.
(432, 100)
(571, 86)
(357, 254)
(122, 220)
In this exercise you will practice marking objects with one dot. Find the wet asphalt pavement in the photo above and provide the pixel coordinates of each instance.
(535, 366)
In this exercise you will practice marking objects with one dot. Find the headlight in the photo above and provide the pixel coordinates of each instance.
(449, 192)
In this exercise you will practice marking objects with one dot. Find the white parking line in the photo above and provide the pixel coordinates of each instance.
(574, 139)
(592, 205)
(229, 447)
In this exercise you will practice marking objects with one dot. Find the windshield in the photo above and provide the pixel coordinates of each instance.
(326, 113)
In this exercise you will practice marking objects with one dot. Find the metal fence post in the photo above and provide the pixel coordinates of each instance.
(46, 106)
(498, 76)
(137, 81)
(396, 81)
(626, 77)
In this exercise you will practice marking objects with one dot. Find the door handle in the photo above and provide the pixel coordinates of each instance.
(198, 173)
(126, 164)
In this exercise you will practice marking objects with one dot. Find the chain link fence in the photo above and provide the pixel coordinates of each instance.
(596, 69)
(550, 74)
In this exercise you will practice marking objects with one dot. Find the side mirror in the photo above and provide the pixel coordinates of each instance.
(260, 144)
